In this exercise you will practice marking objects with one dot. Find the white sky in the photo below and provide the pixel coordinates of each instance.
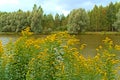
(51, 6)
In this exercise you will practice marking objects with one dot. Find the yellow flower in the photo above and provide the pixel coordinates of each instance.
(81, 57)
(100, 47)
(32, 59)
(97, 49)
(117, 47)
(106, 40)
(63, 68)
(42, 55)
(1, 48)
(26, 32)
(72, 41)
(82, 46)
(111, 43)
(57, 67)
(115, 61)
(73, 49)
(65, 47)
(37, 46)
(6, 59)
(29, 42)
(76, 54)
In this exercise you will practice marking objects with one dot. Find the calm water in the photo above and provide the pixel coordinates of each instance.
(6, 38)
(92, 41)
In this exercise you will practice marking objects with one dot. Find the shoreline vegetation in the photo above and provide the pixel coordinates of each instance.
(100, 18)
(56, 57)
(82, 33)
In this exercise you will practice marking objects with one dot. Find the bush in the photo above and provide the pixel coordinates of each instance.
(57, 57)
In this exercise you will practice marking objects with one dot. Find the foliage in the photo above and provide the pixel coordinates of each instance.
(78, 21)
(48, 23)
(100, 18)
(117, 22)
(109, 58)
(111, 12)
(57, 57)
(36, 19)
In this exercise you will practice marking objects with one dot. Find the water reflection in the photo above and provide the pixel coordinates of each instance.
(6, 38)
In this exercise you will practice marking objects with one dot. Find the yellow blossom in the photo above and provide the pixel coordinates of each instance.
(97, 49)
(72, 41)
(1, 48)
(82, 46)
(26, 32)
(37, 46)
(106, 40)
(100, 47)
(117, 47)
(115, 61)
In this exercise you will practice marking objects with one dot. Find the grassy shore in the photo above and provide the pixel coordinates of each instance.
(101, 33)
(83, 33)
(8, 33)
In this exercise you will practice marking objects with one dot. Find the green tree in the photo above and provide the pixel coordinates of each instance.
(21, 20)
(36, 20)
(48, 23)
(111, 12)
(117, 6)
(63, 23)
(102, 19)
(78, 20)
(117, 22)
(57, 20)
(94, 19)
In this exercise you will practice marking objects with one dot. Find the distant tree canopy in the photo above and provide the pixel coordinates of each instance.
(98, 19)
(36, 19)
(117, 22)
(78, 20)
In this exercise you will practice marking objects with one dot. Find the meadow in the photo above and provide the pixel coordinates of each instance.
(57, 57)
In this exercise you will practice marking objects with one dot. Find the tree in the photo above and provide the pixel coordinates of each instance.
(63, 22)
(21, 20)
(57, 20)
(78, 21)
(36, 19)
(99, 19)
(102, 19)
(117, 6)
(48, 23)
(117, 22)
(111, 12)
(94, 19)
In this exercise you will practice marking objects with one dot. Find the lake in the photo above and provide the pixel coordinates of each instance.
(92, 41)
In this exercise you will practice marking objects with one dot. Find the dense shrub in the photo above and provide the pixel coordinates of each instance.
(57, 57)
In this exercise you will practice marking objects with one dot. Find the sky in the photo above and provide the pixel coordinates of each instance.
(51, 6)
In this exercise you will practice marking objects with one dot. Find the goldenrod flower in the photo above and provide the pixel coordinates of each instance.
(82, 46)
(117, 47)
(106, 40)
(1, 48)
(26, 32)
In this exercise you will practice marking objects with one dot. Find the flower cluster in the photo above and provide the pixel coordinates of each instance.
(57, 57)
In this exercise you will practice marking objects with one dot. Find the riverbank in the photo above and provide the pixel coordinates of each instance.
(83, 33)
(8, 33)
(102, 33)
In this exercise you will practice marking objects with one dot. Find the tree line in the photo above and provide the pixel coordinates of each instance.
(100, 18)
